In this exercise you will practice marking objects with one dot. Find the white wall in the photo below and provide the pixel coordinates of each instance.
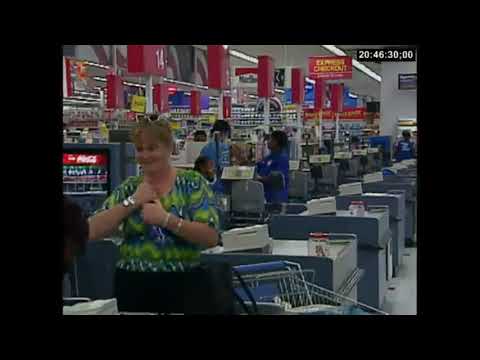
(393, 102)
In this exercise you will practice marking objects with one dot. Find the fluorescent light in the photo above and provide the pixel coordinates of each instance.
(243, 56)
(352, 95)
(280, 91)
(86, 93)
(366, 70)
(355, 63)
(310, 81)
(335, 50)
(94, 64)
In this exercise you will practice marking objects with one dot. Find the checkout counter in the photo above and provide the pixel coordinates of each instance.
(337, 272)
(409, 188)
(373, 237)
(396, 205)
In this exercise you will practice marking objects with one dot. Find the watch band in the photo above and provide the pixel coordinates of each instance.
(129, 201)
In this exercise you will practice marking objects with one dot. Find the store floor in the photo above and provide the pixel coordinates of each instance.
(402, 299)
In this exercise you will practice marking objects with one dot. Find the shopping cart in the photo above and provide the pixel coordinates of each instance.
(283, 287)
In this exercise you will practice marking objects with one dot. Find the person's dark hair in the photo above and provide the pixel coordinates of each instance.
(281, 138)
(199, 133)
(406, 134)
(75, 227)
(201, 160)
(222, 126)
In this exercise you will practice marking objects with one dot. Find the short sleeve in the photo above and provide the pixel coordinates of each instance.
(126, 189)
(207, 152)
(201, 201)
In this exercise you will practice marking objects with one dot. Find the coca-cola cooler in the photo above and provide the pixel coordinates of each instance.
(92, 171)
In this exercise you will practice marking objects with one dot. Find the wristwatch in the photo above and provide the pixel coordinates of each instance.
(129, 201)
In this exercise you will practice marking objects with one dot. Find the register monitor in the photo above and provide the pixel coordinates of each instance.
(238, 173)
(294, 165)
(319, 159)
(350, 189)
(246, 238)
(323, 206)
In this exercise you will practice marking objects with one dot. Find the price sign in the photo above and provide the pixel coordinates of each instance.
(138, 103)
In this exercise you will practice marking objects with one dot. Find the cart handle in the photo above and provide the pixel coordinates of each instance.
(262, 267)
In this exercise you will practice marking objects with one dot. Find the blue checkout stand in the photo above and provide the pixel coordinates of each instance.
(396, 204)
(374, 240)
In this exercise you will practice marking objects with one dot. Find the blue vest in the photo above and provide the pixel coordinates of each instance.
(404, 150)
(275, 162)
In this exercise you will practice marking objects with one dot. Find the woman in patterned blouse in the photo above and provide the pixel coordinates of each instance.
(166, 217)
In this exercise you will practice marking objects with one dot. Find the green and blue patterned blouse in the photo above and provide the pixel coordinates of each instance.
(153, 248)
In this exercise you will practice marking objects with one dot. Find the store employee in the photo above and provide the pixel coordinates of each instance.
(218, 151)
(276, 161)
(405, 148)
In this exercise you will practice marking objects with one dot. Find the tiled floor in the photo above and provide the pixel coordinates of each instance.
(403, 299)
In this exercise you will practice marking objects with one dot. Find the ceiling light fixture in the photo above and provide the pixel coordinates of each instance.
(243, 56)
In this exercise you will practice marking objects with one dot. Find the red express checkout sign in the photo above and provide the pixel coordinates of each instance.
(330, 67)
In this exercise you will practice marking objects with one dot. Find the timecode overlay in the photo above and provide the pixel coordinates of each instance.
(393, 54)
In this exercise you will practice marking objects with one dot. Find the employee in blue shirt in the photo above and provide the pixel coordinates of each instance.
(218, 152)
(405, 148)
(276, 161)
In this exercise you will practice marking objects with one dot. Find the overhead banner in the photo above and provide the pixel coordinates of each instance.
(330, 67)
(354, 114)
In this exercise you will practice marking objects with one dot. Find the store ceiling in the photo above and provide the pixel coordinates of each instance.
(297, 55)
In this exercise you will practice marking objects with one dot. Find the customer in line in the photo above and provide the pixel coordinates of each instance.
(218, 151)
(166, 217)
(75, 233)
(200, 136)
(205, 167)
(405, 148)
(277, 160)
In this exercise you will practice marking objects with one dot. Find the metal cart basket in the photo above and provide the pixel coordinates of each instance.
(282, 287)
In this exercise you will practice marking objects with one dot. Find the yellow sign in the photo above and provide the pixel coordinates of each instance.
(174, 125)
(212, 119)
(138, 103)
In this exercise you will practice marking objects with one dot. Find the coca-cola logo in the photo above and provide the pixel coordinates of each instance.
(83, 159)
(87, 159)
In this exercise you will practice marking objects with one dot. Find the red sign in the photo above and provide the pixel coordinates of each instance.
(227, 107)
(351, 114)
(265, 77)
(115, 98)
(160, 97)
(337, 97)
(298, 86)
(320, 94)
(195, 103)
(131, 116)
(84, 159)
(147, 59)
(330, 67)
(218, 67)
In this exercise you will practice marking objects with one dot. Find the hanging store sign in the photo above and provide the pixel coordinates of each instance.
(279, 78)
(138, 104)
(75, 77)
(353, 114)
(330, 67)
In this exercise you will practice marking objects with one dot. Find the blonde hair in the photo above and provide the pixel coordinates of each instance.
(159, 129)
